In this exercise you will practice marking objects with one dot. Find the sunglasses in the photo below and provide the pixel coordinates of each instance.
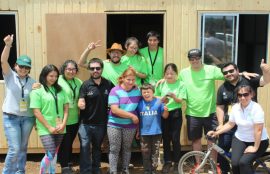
(25, 67)
(227, 72)
(239, 95)
(194, 58)
(95, 68)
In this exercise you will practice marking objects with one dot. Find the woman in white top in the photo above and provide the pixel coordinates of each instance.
(250, 140)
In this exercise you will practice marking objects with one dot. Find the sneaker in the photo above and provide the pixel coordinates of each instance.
(66, 170)
(166, 168)
(218, 169)
(194, 168)
(175, 168)
(125, 171)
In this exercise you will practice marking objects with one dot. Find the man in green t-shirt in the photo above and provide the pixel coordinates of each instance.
(153, 53)
(113, 67)
(201, 97)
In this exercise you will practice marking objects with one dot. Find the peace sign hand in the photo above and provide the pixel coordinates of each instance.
(93, 45)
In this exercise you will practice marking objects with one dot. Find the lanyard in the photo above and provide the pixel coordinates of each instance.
(73, 89)
(22, 85)
(155, 58)
(54, 94)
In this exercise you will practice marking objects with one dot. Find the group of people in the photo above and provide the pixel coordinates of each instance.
(130, 96)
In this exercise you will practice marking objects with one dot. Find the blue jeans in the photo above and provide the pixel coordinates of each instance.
(17, 130)
(90, 135)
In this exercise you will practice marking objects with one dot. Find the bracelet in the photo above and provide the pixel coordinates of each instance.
(8, 46)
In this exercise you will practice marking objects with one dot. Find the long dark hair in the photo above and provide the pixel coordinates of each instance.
(43, 77)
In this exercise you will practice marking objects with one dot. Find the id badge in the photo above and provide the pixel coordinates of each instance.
(58, 120)
(23, 105)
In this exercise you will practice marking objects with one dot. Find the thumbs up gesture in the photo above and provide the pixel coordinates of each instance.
(264, 67)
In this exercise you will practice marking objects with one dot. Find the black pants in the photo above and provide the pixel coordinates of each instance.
(242, 162)
(171, 128)
(225, 142)
(65, 150)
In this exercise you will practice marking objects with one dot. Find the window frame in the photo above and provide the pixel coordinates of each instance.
(15, 13)
(202, 14)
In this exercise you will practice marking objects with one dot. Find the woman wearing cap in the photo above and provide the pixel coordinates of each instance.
(18, 119)
(71, 85)
(134, 59)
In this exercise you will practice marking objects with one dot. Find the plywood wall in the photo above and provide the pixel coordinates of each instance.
(180, 30)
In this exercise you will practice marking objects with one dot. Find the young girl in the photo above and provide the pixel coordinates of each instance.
(174, 91)
(134, 60)
(50, 106)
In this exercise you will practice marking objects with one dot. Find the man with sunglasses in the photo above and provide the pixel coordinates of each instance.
(201, 99)
(226, 97)
(93, 104)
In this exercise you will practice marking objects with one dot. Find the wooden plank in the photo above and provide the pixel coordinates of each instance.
(3, 143)
(71, 42)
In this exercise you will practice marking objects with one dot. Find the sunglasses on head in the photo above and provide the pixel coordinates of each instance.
(227, 72)
(25, 67)
(242, 95)
(95, 68)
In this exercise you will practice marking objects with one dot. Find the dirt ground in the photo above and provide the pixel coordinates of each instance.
(33, 162)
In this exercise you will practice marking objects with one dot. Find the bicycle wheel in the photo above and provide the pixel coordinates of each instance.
(187, 163)
(261, 165)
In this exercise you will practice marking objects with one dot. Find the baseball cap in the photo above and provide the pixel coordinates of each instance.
(194, 53)
(24, 61)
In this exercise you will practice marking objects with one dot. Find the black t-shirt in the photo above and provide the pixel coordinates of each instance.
(226, 94)
(96, 101)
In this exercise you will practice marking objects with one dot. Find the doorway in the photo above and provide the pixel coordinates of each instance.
(122, 26)
(252, 41)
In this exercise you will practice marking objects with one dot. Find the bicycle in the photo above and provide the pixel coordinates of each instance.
(188, 162)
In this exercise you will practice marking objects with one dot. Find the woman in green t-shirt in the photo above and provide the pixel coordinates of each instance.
(50, 106)
(71, 85)
(134, 59)
(172, 92)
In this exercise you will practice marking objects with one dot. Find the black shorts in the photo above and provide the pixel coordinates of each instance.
(195, 125)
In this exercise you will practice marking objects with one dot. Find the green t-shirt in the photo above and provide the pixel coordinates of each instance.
(138, 63)
(157, 67)
(40, 99)
(70, 87)
(178, 88)
(112, 72)
(201, 94)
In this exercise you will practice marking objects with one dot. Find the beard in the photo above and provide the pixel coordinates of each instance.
(117, 60)
(96, 76)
